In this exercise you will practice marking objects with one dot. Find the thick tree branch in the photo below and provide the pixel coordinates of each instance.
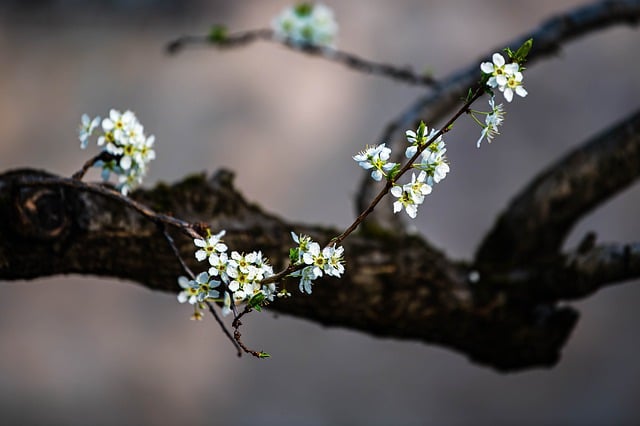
(396, 286)
(538, 220)
(548, 39)
(571, 276)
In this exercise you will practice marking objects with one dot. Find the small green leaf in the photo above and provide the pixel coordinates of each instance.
(523, 51)
(256, 301)
(294, 254)
(217, 34)
(391, 176)
(263, 355)
(421, 131)
(304, 9)
(485, 77)
(509, 52)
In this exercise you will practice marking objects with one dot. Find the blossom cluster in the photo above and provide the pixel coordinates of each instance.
(432, 164)
(329, 261)
(507, 78)
(306, 23)
(123, 139)
(376, 159)
(493, 119)
(238, 275)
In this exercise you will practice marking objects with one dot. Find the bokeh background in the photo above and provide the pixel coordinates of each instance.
(83, 350)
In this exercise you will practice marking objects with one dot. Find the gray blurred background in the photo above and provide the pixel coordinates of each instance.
(81, 350)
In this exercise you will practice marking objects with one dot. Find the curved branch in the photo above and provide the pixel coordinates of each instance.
(349, 60)
(548, 39)
(572, 276)
(394, 286)
(537, 221)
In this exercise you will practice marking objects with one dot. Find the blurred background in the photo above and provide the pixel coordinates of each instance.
(82, 350)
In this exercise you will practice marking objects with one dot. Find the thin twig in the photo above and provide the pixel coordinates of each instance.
(186, 227)
(406, 75)
(224, 328)
(176, 253)
(444, 129)
(102, 156)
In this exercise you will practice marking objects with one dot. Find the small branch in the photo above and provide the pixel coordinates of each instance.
(408, 165)
(102, 156)
(237, 336)
(537, 221)
(571, 276)
(157, 218)
(349, 60)
(163, 228)
(224, 328)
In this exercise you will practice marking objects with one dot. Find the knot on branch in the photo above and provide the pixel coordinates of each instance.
(223, 178)
(40, 213)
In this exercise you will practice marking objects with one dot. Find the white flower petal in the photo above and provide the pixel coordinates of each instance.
(498, 59)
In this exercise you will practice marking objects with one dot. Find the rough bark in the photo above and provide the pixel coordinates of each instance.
(395, 286)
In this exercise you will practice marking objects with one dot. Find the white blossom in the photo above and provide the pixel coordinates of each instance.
(189, 291)
(498, 69)
(124, 139)
(434, 162)
(314, 256)
(411, 195)
(206, 287)
(335, 261)
(328, 261)
(209, 246)
(507, 78)
(492, 121)
(376, 158)
(306, 23)
(513, 84)
(219, 263)
(87, 126)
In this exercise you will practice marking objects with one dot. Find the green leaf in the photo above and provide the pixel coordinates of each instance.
(509, 52)
(263, 355)
(294, 254)
(217, 34)
(393, 172)
(523, 51)
(256, 301)
(420, 131)
(304, 9)
(485, 77)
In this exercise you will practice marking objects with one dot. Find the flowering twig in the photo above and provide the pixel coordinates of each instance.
(239, 39)
(224, 328)
(101, 156)
(444, 129)
(550, 35)
(163, 228)
(237, 336)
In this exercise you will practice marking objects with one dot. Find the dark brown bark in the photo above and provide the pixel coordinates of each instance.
(395, 286)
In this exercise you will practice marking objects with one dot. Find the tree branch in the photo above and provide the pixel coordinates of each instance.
(394, 286)
(572, 276)
(349, 60)
(538, 220)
